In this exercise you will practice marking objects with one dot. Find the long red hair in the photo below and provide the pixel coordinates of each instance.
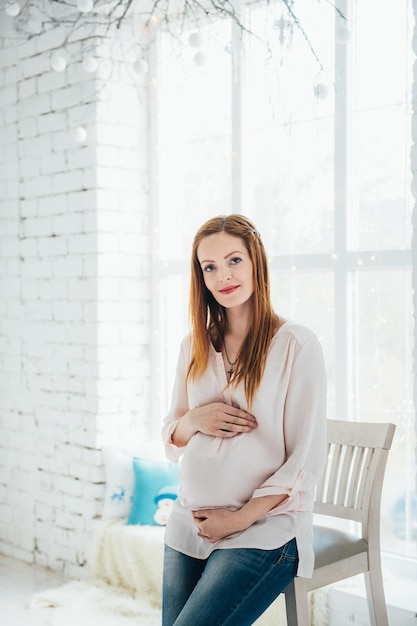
(208, 318)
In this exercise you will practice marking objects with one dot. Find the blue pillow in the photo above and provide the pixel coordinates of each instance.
(155, 489)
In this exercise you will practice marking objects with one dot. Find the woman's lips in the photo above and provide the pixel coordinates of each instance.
(228, 290)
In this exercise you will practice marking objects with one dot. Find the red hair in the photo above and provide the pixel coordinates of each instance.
(208, 317)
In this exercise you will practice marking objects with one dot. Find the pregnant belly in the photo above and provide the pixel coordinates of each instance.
(223, 472)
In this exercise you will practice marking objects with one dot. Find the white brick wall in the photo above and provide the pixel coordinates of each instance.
(74, 306)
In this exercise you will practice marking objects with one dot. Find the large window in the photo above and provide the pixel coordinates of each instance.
(311, 139)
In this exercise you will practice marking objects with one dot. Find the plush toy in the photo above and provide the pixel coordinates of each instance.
(164, 500)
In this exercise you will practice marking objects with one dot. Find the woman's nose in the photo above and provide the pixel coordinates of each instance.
(225, 275)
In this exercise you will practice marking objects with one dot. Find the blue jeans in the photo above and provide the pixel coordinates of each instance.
(232, 587)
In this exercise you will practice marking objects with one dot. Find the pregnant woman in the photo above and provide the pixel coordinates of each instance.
(248, 423)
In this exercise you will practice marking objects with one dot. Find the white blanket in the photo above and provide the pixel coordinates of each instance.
(125, 564)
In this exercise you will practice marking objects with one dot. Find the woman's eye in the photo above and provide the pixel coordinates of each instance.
(235, 260)
(208, 268)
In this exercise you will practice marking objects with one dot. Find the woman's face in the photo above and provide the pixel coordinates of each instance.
(227, 269)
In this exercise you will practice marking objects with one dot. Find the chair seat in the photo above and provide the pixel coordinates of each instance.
(331, 545)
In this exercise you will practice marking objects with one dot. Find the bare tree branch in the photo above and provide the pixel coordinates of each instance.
(296, 21)
(65, 13)
(338, 11)
(125, 12)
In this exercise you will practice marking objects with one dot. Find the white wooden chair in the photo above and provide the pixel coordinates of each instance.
(350, 488)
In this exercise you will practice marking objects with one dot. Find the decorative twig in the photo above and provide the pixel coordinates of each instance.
(289, 4)
(338, 11)
(194, 11)
(125, 12)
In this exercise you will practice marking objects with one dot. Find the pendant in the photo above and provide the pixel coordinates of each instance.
(230, 372)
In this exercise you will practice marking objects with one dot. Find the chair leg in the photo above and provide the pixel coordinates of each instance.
(376, 598)
(297, 604)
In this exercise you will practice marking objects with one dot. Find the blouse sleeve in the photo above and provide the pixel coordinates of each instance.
(304, 430)
(179, 405)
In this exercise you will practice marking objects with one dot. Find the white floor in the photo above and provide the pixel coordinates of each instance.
(18, 581)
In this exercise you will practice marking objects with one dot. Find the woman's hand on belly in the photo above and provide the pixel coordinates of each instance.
(217, 419)
(216, 524)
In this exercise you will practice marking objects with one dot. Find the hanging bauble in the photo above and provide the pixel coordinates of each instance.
(140, 66)
(342, 34)
(58, 62)
(90, 64)
(85, 6)
(200, 58)
(321, 90)
(12, 9)
(80, 134)
(195, 40)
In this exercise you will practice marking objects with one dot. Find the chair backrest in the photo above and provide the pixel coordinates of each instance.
(351, 483)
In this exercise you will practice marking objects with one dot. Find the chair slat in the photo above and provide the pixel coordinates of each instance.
(345, 475)
(356, 469)
(333, 474)
(367, 473)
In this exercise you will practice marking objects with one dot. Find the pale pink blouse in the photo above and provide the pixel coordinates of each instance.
(285, 454)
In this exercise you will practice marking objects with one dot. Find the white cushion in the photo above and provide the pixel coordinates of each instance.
(119, 476)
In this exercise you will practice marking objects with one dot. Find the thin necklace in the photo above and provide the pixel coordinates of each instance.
(230, 372)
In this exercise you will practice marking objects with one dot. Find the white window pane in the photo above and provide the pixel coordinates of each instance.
(382, 202)
(308, 297)
(170, 331)
(381, 126)
(288, 186)
(194, 185)
(194, 136)
(288, 136)
(382, 339)
(381, 62)
(280, 77)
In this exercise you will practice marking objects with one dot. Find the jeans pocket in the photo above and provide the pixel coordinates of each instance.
(288, 554)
